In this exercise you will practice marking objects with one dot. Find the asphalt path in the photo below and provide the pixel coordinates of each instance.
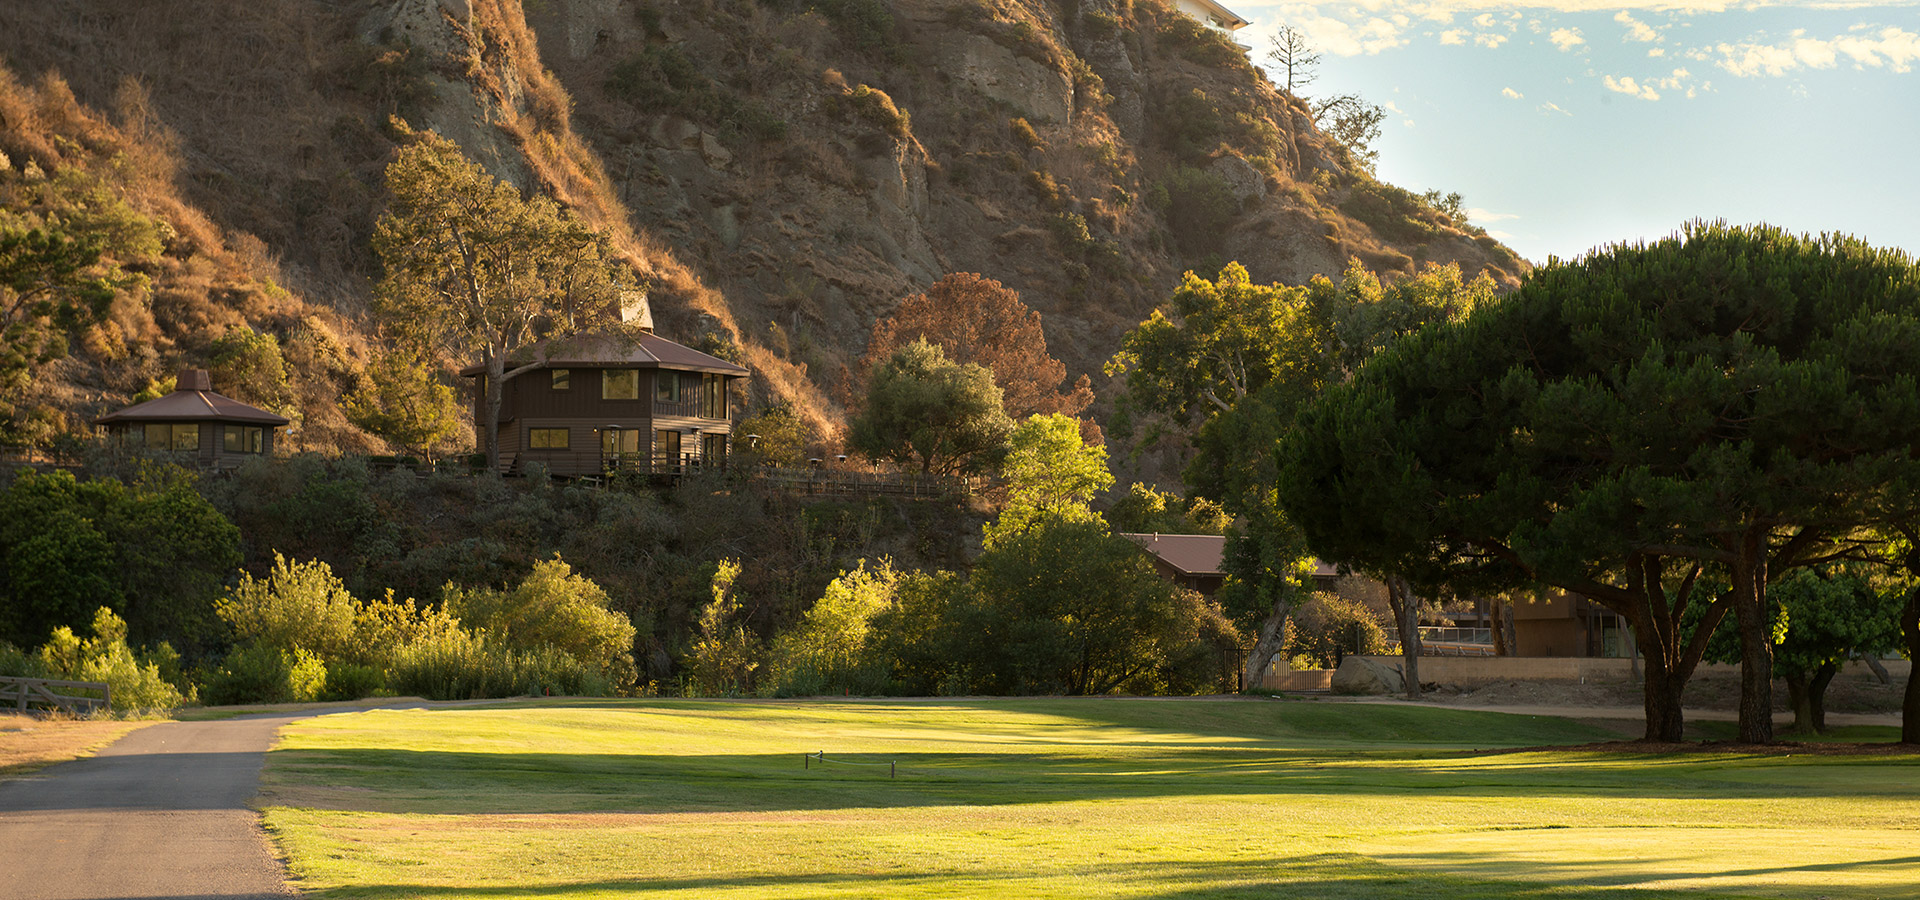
(161, 814)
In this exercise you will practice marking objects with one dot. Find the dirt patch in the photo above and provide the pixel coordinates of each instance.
(1843, 696)
(28, 743)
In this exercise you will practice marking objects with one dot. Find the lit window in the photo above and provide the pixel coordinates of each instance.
(547, 438)
(562, 379)
(186, 436)
(620, 384)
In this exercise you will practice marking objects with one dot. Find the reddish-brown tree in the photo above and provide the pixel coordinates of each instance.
(975, 319)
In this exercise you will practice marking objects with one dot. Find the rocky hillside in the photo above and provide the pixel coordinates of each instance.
(781, 172)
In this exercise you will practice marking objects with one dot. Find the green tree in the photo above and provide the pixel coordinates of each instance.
(473, 269)
(1354, 124)
(155, 552)
(1050, 472)
(1063, 606)
(1729, 399)
(925, 412)
(724, 656)
(1143, 510)
(250, 366)
(775, 434)
(403, 401)
(1821, 618)
(1230, 363)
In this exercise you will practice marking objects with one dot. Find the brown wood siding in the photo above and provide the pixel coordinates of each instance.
(531, 396)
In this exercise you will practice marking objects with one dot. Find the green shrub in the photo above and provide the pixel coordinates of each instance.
(464, 666)
(660, 79)
(134, 686)
(347, 681)
(250, 674)
(1199, 208)
(298, 606)
(829, 651)
(1327, 627)
(553, 607)
(875, 107)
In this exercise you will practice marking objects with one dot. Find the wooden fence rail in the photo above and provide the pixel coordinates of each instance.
(39, 693)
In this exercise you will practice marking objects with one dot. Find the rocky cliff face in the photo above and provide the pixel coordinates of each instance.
(781, 172)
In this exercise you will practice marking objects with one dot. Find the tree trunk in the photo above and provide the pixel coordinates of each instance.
(1879, 671)
(1800, 699)
(1406, 615)
(1507, 628)
(1497, 619)
(1665, 721)
(1756, 640)
(496, 372)
(1910, 706)
(1817, 694)
(1272, 631)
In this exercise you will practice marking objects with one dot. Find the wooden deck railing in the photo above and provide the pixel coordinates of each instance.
(39, 693)
(841, 481)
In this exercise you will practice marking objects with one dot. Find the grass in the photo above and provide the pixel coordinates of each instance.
(31, 743)
(1062, 798)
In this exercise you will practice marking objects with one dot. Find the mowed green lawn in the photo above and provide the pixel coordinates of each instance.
(1063, 798)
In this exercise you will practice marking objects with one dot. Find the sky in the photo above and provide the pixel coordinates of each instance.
(1570, 125)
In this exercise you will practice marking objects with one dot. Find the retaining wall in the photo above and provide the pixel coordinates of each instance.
(1473, 670)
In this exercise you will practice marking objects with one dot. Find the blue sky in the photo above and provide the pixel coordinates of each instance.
(1572, 124)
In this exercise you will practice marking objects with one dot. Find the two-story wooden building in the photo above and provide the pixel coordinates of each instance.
(599, 404)
(202, 427)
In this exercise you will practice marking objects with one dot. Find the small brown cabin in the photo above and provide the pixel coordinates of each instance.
(212, 429)
(597, 404)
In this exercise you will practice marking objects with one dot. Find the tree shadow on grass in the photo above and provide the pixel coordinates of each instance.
(411, 781)
(1324, 876)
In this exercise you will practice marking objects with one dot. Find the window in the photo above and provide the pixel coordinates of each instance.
(620, 441)
(666, 445)
(547, 438)
(173, 436)
(666, 386)
(620, 384)
(713, 449)
(713, 396)
(243, 439)
(562, 379)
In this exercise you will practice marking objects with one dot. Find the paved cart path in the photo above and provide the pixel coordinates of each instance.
(161, 813)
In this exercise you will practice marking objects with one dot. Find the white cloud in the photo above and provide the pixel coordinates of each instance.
(1454, 36)
(1637, 30)
(1483, 216)
(1484, 20)
(1626, 85)
(1490, 41)
(1656, 52)
(1893, 48)
(1553, 108)
(1511, 94)
(1566, 38)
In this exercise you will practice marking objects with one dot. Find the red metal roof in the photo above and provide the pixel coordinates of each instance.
(640, 351)
(193, 406)
(1192, 554)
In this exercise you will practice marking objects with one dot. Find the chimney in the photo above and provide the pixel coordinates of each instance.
(635, 310)
(193, 380)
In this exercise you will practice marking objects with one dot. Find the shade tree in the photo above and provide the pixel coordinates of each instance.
(924, 411)
(1727, 403)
